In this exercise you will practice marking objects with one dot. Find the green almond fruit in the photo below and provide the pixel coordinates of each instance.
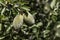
(29, 19)
(18, 21)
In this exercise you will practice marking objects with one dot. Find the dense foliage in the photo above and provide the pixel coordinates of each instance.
(46, 14)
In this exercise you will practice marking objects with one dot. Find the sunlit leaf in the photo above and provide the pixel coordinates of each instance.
(53, 3)
(25, 8)
(3, 10)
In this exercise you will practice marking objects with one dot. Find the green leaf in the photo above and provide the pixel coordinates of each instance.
(0, 26)
(53, 3)
(2, 4)
(46, 33)
(3, 10)
(49, 23)
(25, 8)
(2, 37)
(39, 24)
(34, 30)
(8, 29)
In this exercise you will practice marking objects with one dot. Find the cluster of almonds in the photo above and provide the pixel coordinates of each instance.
(21, 18)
